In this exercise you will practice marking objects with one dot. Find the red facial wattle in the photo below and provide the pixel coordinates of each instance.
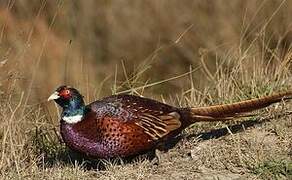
(66, 94)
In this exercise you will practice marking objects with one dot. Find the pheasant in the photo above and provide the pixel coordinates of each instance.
(128, 125)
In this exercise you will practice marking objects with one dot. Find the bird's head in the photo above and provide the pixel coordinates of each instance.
(67, 96)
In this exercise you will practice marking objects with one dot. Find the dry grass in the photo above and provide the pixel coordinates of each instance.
(236, 50)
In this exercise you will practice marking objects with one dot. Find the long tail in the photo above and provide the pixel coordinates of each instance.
(234, 110)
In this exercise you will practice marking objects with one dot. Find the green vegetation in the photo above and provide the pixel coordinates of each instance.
(274, 169)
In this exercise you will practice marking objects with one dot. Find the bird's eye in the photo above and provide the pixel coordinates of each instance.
(67, 92)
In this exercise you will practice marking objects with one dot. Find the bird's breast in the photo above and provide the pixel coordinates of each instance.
(106, 137)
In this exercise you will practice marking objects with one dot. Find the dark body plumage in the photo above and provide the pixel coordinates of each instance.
(111, 127)
(127, 125)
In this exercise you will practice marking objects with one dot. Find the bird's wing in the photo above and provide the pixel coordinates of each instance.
(155, 118)
(157, 126)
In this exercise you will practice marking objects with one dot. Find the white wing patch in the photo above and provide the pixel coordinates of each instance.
(73, 119)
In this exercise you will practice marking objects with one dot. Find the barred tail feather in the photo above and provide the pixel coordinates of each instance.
(234, 110)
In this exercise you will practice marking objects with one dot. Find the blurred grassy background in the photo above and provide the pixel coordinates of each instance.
(83, 43)
(237, 49)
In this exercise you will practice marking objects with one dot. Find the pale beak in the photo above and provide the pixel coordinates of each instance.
(55, 95)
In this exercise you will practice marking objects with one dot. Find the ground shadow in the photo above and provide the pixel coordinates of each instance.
(70, 157)
(242, 126)
(217, 133)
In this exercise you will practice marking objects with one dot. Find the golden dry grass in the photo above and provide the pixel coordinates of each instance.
(232, 51)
